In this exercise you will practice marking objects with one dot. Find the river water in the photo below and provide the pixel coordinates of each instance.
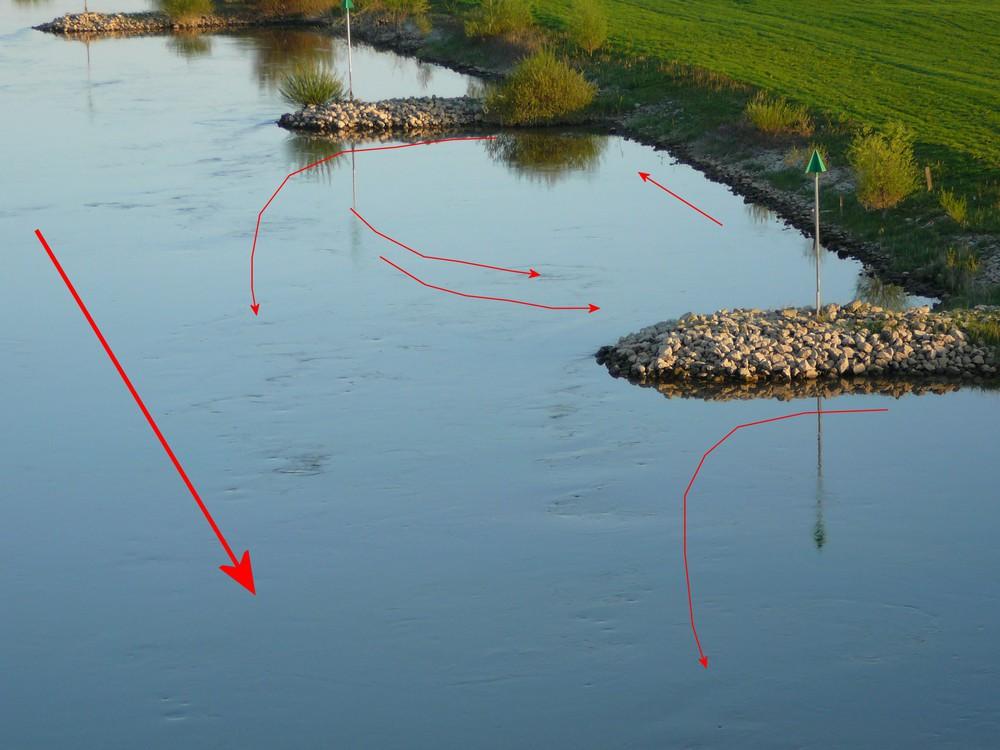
(464, 533)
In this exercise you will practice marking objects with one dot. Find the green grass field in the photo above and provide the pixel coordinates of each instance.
(934, 65)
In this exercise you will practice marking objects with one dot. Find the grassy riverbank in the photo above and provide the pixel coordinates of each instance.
(678, 73)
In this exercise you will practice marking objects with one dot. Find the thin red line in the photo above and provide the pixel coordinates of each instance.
(260, 214)
(668, 190)
(135, 394)
(687, 576)
(434, 257)
(479, 296)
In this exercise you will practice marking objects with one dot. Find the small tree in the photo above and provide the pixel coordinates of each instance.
(885, 167)
(499, 18)
(588, 25)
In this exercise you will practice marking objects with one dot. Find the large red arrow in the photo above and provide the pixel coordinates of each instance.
(588, 308)
(702, 659)
(254, 305)
(530, 273)
(241, 570)
(646, 178)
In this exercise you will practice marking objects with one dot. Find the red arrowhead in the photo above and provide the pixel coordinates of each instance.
(644, 176)
(704, 661)
(593, 308)
(242, 573)
(532, 273)
(255, 308)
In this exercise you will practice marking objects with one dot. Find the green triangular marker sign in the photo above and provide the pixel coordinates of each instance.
(816, 164)
(348, 5)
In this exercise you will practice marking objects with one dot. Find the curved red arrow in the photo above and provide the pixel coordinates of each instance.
(588, 308)
(646, 178)
(241, 570)
(703, 660)
(254, 305)
(530, 273)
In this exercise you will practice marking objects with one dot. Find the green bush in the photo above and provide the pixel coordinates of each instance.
(499, 18)
(184, 10)
(777, 116)
(883, 161)
(311, 84)
(295, 7)
(588, 25)
(955, 206)
(540, 89)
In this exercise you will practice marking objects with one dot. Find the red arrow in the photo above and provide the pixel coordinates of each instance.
(646, 178)
(588, 308)
(530, 273)
(687, 578)
(254, 305)
(241, 570)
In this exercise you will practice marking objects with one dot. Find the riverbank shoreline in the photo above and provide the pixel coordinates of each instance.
(726, 154)
(154, 22)
(750, 346)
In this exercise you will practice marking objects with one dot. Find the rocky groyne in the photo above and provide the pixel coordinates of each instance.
(412, 115)
(758, 347)
(132, 24)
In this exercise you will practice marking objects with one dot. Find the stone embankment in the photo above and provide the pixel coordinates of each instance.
(413, 115)
(792, 345)
(130, 24)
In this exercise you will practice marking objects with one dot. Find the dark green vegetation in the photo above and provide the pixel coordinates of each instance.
(311, 84)
(540, 89)
(681, 73)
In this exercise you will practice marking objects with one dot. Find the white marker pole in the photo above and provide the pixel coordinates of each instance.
(817, 243)
(350, 65)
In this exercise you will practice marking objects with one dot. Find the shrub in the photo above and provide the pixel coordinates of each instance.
(588, 25)
(886, 170)
(184, 10)
(294, 7)
(777, 116)
(956, 207)
(499, 18)
(799, 156)
(540, 89)
(311, 84)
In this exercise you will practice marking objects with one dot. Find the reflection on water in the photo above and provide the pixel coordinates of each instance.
(190, 44)
(303, 150)
(547, 157)
(875, 291)
(758, 213)
(819, 388)
(819, 530)
(276, 52)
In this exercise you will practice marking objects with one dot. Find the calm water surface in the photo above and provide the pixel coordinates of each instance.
(464, 533)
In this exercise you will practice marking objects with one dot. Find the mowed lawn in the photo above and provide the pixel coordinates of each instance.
(933, 64)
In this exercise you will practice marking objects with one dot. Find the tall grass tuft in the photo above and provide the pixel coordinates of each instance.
(540, 89)
(778, 116)
(798, 156)
(279, 8)
(311, 84)
(493, 18)
(186, 10)
(399, 10)
(957, 207)
(885, 167)
(588, 25)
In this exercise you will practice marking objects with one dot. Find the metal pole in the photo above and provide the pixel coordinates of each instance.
(350, 66)
(817, 244)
